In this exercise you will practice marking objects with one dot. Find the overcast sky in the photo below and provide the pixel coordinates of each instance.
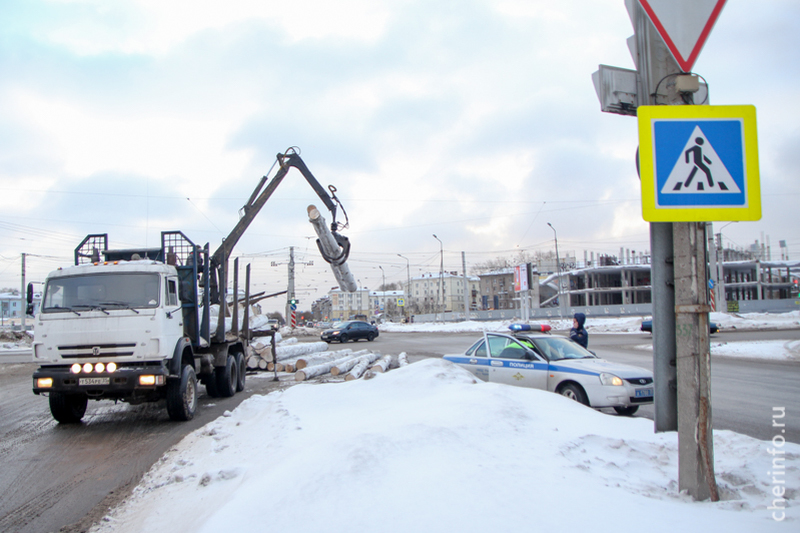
(473, 120)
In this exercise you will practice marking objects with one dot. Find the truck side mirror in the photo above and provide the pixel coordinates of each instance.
(29, 299)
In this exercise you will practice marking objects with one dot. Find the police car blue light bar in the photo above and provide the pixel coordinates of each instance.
(544, 328)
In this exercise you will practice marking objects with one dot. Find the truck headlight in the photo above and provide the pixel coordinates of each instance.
(610, 379)
(75, 368)
(44, 383)
(148, 380)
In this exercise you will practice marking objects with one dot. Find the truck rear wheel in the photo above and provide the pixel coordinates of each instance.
(227, 377)
(242, 372)
(182, 395)
(68, 408)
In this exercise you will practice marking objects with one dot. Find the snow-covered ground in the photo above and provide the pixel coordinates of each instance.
(632, 324)
(427, 448)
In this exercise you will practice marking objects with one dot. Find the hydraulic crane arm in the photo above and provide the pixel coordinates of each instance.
(261, 194)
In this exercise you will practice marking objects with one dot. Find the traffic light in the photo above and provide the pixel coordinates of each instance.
(293, 301)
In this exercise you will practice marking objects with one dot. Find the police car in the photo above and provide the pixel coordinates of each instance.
(557, 364)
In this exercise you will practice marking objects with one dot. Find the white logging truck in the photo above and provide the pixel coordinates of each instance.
(136, 325)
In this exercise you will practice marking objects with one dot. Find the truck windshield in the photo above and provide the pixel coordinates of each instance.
(101, 291)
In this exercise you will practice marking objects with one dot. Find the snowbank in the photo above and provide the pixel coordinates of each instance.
(427, 448)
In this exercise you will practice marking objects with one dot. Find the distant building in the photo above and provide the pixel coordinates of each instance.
(435, 293)
(497, 290)
(12, 305)
(348, 305)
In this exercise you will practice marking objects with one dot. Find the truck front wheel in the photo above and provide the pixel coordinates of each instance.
(227, 376)
(182, 395)
(68, 408)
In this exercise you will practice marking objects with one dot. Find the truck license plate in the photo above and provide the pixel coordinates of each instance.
(644, 393)
(93, 381)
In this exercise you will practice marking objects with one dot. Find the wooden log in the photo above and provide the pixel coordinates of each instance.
(317, 370)
(402, 359)
(262, 364)
(382, 364)
(357, 371)
(318, 358)
(341, 368)
(283, 353)
(368, 358)
(252, 362)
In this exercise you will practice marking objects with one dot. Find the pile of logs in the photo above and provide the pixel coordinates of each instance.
(352, 366)
(308, 360)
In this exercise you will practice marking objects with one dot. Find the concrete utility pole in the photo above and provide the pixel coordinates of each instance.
(466, 285)
(441, 277)
(23, 291)
(290, 291)
(695, 439)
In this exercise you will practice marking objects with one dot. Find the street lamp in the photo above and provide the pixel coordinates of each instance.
(441, 273)
(558, 271)
(408, 285)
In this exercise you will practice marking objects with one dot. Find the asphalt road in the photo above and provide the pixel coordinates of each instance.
(64, 478)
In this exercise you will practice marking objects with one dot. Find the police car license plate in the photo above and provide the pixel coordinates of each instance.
(93, 381)
(644, 393)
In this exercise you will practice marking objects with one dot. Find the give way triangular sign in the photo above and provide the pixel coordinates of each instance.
(684, 25)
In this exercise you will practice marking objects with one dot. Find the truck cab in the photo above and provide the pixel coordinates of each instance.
(131, 329)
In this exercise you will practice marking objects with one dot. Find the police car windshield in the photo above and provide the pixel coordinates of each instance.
(557, 349)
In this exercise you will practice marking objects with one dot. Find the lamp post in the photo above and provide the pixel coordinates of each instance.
(441, 274)
(558, 271)
(408, 287)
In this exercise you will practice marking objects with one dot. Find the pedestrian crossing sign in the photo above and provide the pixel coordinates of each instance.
(699, 163)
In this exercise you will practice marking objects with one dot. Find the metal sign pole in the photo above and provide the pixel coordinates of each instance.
(654, 63)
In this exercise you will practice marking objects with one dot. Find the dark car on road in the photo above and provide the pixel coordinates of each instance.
(647, 325)
(350, 331)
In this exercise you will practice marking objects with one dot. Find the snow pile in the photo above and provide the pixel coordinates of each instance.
(773, 350)
(747, 321)
(428, 448)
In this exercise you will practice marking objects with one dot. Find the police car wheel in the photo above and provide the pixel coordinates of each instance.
(574, 392)
(627, 411)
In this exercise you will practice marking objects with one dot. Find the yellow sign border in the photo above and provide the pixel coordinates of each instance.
(650, 211)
